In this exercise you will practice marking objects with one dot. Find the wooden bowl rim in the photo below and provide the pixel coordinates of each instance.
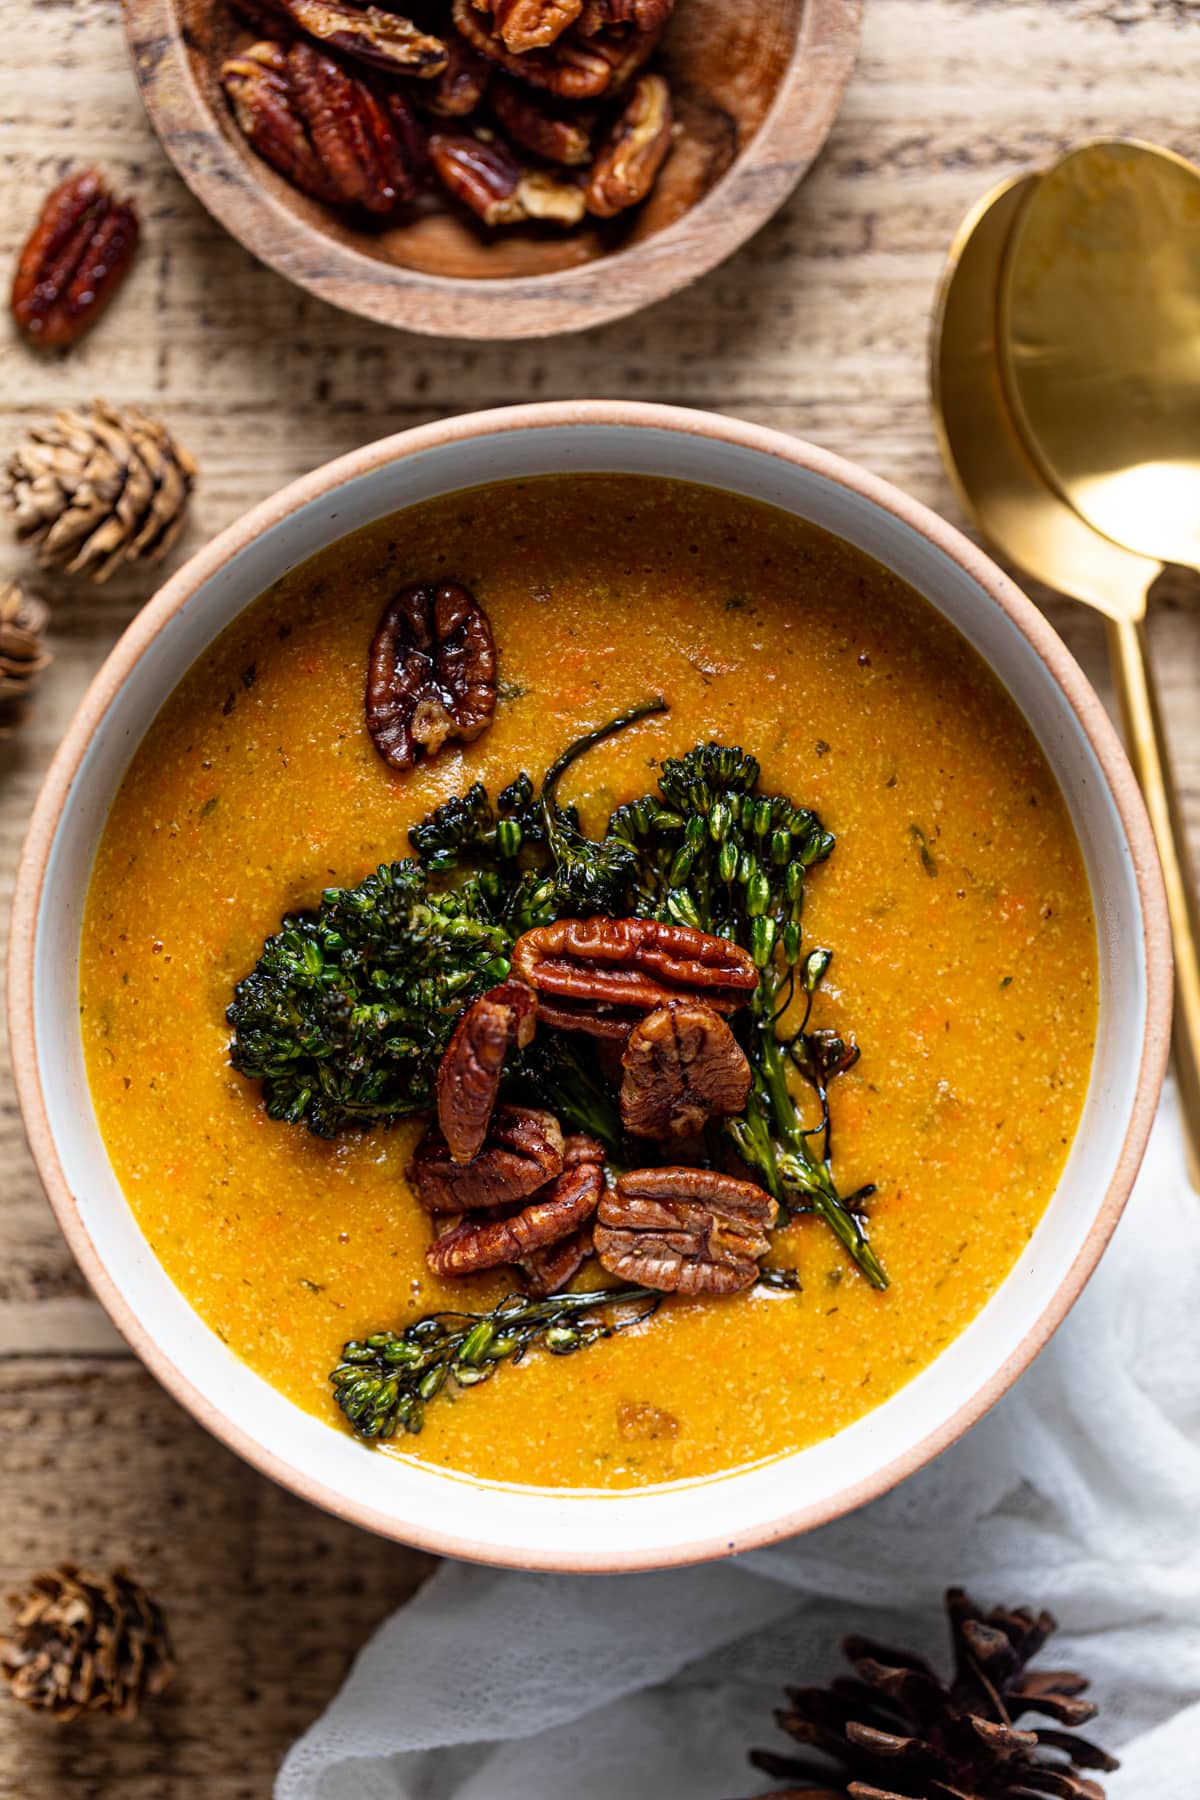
(791, 135)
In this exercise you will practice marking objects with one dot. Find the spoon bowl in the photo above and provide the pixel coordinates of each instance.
(1100, 307)
(993, 471)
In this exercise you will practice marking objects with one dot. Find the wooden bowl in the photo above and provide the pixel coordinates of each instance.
(757, 89)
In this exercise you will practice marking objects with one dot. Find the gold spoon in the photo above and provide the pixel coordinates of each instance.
(1100, 341)
(1033, 526)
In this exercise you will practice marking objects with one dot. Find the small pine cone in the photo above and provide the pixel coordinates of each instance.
(99, 489)
(897, 1730)
(86, 1643)
(23, 653)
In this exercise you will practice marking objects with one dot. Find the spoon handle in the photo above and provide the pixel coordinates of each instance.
(1148, 753)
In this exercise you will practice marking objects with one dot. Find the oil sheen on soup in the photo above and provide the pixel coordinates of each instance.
(955, 902)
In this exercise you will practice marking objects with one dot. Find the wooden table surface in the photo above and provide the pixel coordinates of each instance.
(818, 327)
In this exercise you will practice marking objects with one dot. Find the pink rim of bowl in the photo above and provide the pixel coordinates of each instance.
(453, 1514)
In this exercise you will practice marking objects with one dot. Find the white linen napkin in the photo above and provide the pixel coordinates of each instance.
(1080, 1491)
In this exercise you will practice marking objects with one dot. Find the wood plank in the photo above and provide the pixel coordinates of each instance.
(267, 1599)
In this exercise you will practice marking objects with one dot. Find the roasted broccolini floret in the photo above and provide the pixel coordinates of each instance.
(349, 1008)
(347, 1011)
(711, 852)
(384, 1382)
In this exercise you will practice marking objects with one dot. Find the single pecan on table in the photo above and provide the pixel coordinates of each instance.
(369, 34)
(75, 258)
(468, 1077)
(525, 119)
(432, 673)
(333, 134)
(483, 173)
(627, 164)
(682, 1066)
(555, 1213)
(522, 1151)
(602, 975)
(684, 1231)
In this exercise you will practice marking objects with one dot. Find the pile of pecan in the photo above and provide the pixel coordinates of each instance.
(511, 1189)
(520, 109)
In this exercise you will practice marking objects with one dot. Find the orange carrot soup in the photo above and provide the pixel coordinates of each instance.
(746, 1072)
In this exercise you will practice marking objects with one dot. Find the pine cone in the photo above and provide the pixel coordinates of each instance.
(901, 1733)
(23, 654)
(86, 1643)
(99, 489)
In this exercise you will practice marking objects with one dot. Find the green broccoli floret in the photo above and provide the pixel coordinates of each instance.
(348, 1009)
(528, 853)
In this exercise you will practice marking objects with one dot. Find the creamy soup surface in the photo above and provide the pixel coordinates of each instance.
(955, 903)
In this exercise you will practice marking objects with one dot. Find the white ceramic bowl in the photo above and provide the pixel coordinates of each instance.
(458, 1515)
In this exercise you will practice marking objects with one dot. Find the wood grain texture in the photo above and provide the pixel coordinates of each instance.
(818, 326)
(756, 92)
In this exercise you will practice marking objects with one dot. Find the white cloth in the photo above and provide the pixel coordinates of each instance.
(1080, 1492)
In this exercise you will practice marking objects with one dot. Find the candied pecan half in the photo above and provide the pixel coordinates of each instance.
(682, 1067)
(484, 174)
(528, 124)
(572, 70)
(461, 85)
(367, 33)
(646, 15)
(601, 975)
(546, 1271)
(684, 1231)
(258, 88)
(628, 161)
(523, 1150)
(555, 1212)
(332, 134)
(549, 1270)
(623, 50)
(74, 260)
(578, 1148)
(468, 1077)
(432, 673)
(531, 24)
(353, 129)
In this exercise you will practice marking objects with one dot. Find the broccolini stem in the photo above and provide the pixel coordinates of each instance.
(643, 710)
(771, 1138)
(811, 1182)
(590, 876)
(774, 1077)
